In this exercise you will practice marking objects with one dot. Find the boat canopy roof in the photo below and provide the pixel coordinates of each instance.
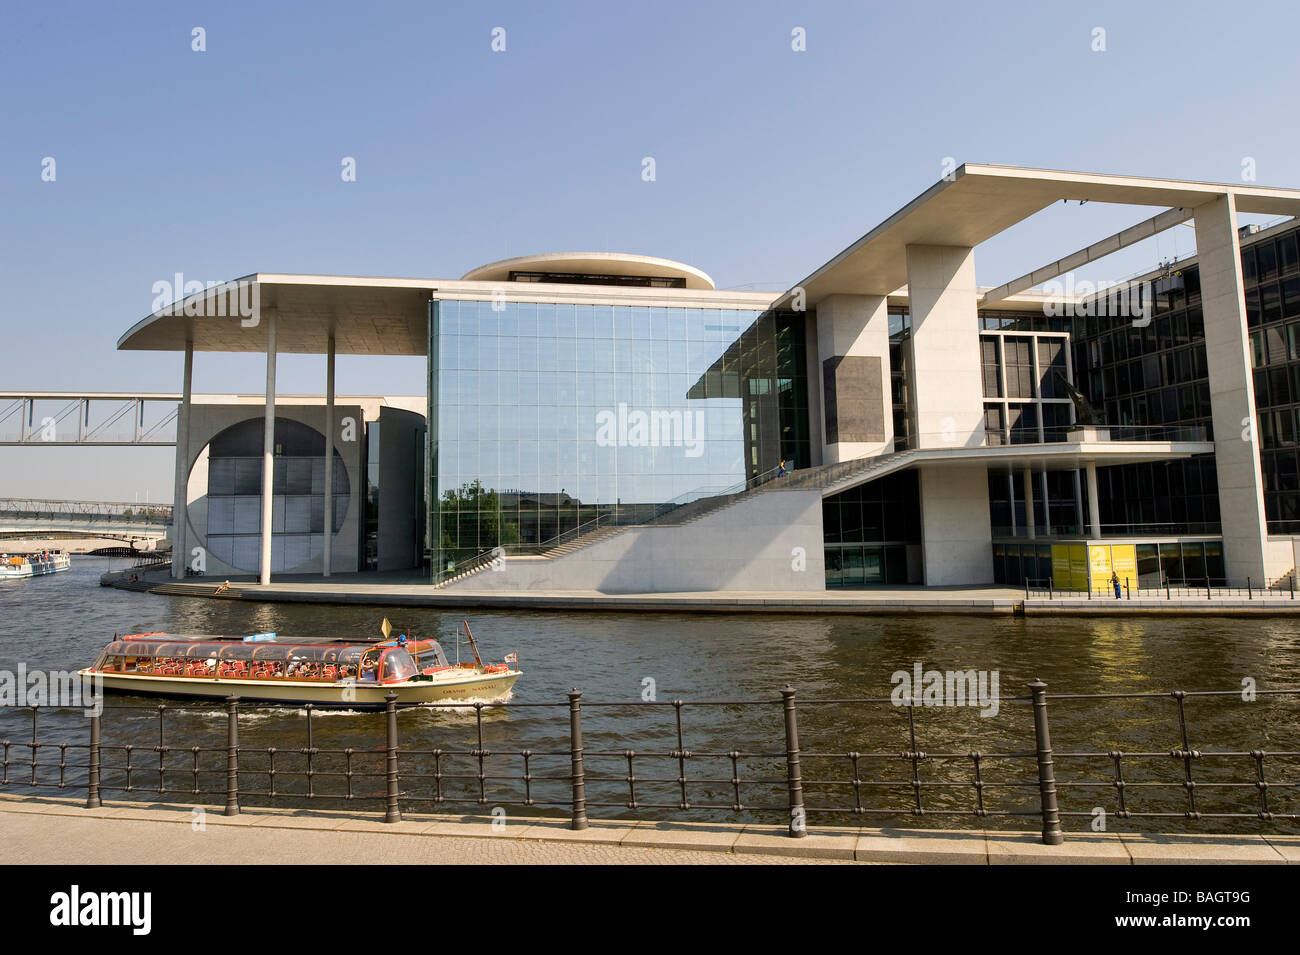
(314, 653)
(236, 648)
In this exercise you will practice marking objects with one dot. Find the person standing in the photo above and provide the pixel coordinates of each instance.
(1114, 582)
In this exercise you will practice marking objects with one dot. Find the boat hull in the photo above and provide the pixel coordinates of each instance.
(486, 686)
(35, 568)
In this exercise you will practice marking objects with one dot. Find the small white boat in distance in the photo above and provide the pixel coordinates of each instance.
(14, 566)
(269, 670)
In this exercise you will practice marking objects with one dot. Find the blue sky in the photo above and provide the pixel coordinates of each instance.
(768, 161)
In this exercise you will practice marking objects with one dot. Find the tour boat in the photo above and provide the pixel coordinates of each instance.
(13, 566)
(260, 667)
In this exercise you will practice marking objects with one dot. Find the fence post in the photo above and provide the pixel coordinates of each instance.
(1207, 589)
(1052, 834)
(92, 787)
(1250, 591)
(1291, 577)
(1026, 588)
(393, 812)
(579, 820)
(232, 756)
(1167, 597)
(793, 774)
(1127, 593)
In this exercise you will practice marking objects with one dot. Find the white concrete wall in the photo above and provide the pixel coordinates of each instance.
(749, 546)
(1232, 396)
(207, 421)
(853, 325)
(945, 383)
(955, 531)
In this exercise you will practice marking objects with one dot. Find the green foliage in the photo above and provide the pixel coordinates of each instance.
(471, 519)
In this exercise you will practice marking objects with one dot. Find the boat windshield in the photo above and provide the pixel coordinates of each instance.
(427, 654)
(397, 666)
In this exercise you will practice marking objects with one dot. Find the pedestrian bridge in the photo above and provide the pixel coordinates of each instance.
(31, 518)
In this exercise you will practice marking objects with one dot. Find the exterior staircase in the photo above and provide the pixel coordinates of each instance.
(829, 475)
(584, 540)
(179, 589)
(463, 574)
(817, 478)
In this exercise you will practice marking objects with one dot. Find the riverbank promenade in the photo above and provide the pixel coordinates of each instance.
(404, 590)
(60, 831)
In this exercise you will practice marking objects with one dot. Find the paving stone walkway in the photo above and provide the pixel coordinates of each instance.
(61, 831)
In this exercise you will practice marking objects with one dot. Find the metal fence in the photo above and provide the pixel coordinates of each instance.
(178, 753)
(1168, 589)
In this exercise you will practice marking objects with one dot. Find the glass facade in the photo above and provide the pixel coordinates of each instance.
(1025, 402)
(1153, 375)
(545, 417)
(1271, 270)
(370, 550)
(900, 352)
(868, 530)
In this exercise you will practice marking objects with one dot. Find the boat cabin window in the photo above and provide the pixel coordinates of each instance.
(398, 666)
(427, 654)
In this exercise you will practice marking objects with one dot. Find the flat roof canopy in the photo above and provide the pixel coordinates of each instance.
(366, 316)
(369, 315)
(981, 201)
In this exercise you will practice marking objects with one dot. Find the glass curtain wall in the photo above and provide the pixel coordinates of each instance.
(868, 530)
(547, 417)
(1271, 270)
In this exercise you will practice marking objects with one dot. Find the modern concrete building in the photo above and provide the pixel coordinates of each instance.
(376, 488)
(614, 422)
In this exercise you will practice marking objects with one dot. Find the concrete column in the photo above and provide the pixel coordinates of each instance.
(946, 381)
(1004, 403)
(329, 455)
(947, 391)
(813, 369)
(268, 450)
(1232, 392)
(956, 531)
(1046, 498)
(1094, 503)
(857, 415)
(180, 499)
(1078, 501)
(1011, 493)
(1028, 480)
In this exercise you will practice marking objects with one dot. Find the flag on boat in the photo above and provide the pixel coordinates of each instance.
(512, 657)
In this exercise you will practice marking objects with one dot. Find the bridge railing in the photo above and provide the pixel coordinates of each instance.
(84, 512)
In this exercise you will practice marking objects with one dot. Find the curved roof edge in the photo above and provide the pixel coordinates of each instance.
(599, 263)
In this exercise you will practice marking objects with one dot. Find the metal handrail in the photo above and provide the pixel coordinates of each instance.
(1281, 587)
(774, 777)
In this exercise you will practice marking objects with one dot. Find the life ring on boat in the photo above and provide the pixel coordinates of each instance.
(496, 668)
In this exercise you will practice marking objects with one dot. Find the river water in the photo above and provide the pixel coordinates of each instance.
(60, 622)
